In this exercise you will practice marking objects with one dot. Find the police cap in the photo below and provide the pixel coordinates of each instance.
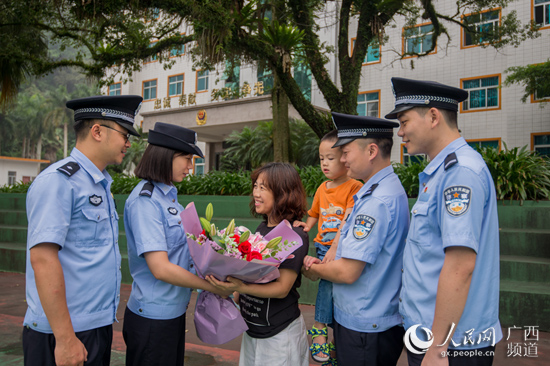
(419, 93)
(120, 109)
(174, 137)
(354, 127)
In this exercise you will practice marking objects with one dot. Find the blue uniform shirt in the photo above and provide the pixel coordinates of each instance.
(77, 213)
(374, 233)
(153, 223)
(455, 207)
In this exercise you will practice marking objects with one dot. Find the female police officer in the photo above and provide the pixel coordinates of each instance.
(160, 264)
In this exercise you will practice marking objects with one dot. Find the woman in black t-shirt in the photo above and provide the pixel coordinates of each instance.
(276, 332)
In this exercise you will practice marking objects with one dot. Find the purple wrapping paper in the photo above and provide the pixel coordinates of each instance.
(209, 262)
(217, 320)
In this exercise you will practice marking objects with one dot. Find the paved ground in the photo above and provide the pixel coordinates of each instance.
(13, 307)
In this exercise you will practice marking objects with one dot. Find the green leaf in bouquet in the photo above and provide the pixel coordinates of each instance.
(205, 224)
(274, 242)
(209, 211)
(244, 237)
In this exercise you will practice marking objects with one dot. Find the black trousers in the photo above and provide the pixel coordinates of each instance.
(151, 342)
(368, 349)
(479, 357)
(39, 348)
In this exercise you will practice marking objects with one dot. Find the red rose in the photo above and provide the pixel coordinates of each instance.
(254, 255)
(237, 238)
(203, 232)
(244, 247)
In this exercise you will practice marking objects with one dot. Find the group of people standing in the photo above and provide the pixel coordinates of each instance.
(436, 276)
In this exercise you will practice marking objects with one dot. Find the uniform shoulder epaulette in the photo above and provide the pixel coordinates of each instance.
(371, 189)
(69, 169)
(450, 160)
(147, 189)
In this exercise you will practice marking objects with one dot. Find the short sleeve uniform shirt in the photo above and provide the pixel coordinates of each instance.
(456, 206)
(77, 212)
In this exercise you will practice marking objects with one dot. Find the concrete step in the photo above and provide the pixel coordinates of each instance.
(532, 269)
(525, 304)
(525, 242)
(13, 217)
(530, 215)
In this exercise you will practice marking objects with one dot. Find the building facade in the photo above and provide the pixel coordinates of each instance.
(15, 170)
(492, 115)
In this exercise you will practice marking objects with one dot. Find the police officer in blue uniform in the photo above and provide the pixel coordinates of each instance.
(367, 270)
(451, 259)
(160, 263)
(73, 258)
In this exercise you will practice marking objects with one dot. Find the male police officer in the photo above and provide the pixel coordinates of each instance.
(367, 270)
(451, 260)
(73, 258)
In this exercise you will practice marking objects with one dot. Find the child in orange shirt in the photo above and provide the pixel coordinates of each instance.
(332, 203)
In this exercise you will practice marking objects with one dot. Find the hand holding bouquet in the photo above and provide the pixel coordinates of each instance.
(231, 251)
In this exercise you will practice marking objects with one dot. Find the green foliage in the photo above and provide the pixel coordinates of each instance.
(312, 177)
(123, 184)
(253, 147)
(19, 187)
(217, 183)
(408, 175)
(519, 174)
(534, 78)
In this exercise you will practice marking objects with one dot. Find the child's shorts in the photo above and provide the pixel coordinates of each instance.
(323, 303)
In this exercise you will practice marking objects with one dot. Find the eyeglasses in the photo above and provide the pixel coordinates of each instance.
(126, 135)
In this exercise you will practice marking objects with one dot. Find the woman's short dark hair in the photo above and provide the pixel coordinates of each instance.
(156, 164)
(289, 195)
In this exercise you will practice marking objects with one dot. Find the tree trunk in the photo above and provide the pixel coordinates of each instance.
(24, 148)
(65, 142)
(39, 148)
(281, 127)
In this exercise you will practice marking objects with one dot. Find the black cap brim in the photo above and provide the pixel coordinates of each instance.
(402, 108)
(131, 129)
(162, 139)
(343, 141)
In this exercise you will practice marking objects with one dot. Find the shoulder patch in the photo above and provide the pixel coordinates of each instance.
(371, 189)
(147, 189)
(457, 199)
(69, 169)
(450, 160)
(363, 226)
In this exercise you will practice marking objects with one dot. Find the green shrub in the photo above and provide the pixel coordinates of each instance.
(123, 184)
(519, 174)
(408, 175)
(312, 177)
(19, 187)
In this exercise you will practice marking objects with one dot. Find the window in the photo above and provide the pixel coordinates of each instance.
(302, 75)
(417, 39)
(114, 89)
(265, 76)
(485, 23)
(368, 104)
(150, 89)
(11, 178)
(177, 51)
(540, 95)
(542, 12)
(151, 58)
(198, 166)
(175, 85)
(373, 52)
(484, 93)
(481, 143)
(540, 142)
(202, 81)
(232, 76)
(407, 159)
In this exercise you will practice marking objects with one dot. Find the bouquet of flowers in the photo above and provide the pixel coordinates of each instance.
(231, 251)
